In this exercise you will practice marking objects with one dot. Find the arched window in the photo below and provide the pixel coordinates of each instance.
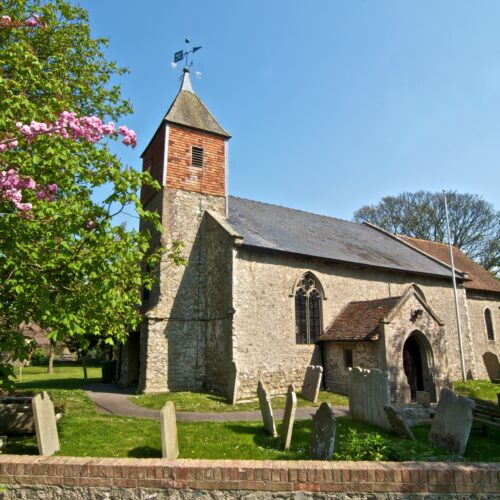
(489, 324)
(308, 297)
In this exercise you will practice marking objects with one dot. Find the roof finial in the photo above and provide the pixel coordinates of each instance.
(184, 54)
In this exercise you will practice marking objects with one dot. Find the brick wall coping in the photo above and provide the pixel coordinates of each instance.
(269, 475)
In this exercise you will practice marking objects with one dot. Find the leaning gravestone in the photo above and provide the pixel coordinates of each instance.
(266, 409)
(233, 384)
(452, 422)
(168, 427)
(492, 366)
(312, 383)
(398, 423)
(288, 418)
(322, 443)
(368, 394)
(45, 424)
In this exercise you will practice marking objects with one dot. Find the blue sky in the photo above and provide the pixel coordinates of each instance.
(331, 104)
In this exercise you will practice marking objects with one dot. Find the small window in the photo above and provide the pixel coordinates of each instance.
(348, 358)
(196, 157)
(489, 324)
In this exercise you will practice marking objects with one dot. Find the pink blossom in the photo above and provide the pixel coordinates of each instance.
(90, 224)
(5, 20)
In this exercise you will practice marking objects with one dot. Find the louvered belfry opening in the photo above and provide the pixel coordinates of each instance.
(196, 157)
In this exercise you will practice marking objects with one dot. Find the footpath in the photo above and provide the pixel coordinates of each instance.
(113, 400)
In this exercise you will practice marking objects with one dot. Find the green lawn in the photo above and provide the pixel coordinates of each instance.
(479, 389)
(84, 432)
(211, 403)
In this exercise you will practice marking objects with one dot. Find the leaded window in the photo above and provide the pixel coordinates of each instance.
(488, 320)
(308, 297)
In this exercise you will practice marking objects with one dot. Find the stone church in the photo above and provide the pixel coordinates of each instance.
(269, 290)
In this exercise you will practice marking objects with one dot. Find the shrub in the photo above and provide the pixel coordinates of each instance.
(39, 358)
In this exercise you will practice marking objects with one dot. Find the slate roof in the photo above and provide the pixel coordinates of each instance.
(287, 230)
(188, 110)
(359, 321)
(480, 279)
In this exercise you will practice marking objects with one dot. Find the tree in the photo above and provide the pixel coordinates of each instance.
(474, 223)
(63, 263)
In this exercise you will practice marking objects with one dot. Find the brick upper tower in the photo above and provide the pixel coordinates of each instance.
(188, 157)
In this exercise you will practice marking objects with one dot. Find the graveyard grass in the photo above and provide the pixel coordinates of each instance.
(84, 432)
(479, 389)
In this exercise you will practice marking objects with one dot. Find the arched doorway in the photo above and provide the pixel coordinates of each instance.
(417, 364)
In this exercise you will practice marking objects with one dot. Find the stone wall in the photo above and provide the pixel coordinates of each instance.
(477, 303)
(27, 478)
(173, 333)
(264, 320)
(364, 355)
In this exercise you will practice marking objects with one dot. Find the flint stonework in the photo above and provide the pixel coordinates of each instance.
(324, 425)
(233, 383)
(266, 409)
(398, 423)
(312, 383)
(288, 418)
(45, 424)
(453, 421)
(168, 427)
(369, 392)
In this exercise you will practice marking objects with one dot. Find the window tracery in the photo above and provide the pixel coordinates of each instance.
(308, 318)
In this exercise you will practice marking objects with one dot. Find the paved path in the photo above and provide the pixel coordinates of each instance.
(114, 400)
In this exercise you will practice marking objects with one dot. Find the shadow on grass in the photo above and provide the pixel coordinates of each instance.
(21, 445)
(144, 452)
(67, 383)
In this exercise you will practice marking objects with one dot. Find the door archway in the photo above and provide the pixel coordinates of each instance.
(418, 365)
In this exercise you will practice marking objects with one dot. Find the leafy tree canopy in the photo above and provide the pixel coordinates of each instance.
(474, 223)
(63, 263)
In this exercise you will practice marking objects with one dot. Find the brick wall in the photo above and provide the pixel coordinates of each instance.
(182, 175)
(70, 477)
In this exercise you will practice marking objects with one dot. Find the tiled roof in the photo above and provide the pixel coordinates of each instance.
(36, 332)
(294, 231)
(189, 111)
(480, 279)
(359, 321)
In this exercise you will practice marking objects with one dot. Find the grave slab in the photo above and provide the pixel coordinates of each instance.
(453, 421)
(266, 409)
(45, 424)
(312, 383)
(322, 444)
(398, 423)
(288, 418)
(168, 428)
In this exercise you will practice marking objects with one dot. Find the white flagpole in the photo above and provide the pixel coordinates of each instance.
(457, 310)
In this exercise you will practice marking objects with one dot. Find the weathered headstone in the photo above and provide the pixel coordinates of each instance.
(288, 418)
(398, 423)
(266, 409)
(168, 428)
(45, 424)
(312, 383)
(424, 399)
(324, 425)
(3, 442)
(452, 423)
(492, 366)
(233, 383)
(368, 394)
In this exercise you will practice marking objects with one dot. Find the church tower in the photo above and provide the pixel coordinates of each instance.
(187, 156)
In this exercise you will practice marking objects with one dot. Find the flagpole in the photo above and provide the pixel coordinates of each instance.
(455, 295)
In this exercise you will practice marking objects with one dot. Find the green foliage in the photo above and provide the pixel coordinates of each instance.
(479, 389)
(474, 222)
(39, 358)
(54, 270)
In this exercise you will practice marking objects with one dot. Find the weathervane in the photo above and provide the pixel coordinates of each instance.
(184, 54)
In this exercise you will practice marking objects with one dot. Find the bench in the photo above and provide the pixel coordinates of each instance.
(486, 414)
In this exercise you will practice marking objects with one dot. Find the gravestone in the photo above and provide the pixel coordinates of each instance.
(452, 423)
(233, 383)
(324, 425)
(424, 398)
(168, 428)
(368, 394)
(266, 409)
(492, 366)
(45, 424)
(3, 442)
(288, 418)
(398, 423)
(312, 383)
